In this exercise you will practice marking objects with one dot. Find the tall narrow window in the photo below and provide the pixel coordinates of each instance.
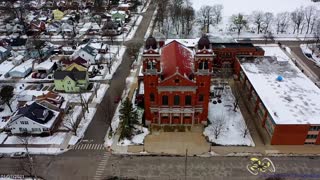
(176, 101)
(188, 100)
(201, 97)
(165, 100)
(152, 97)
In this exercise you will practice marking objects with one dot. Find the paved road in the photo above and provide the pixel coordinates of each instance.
(82, 166)
(98, 127)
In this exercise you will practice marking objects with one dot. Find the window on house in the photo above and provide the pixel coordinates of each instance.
(176, 81)
(151, 65)
(188, 100)
(69, 82)
(203, 65)
(36, 129)
(23, 129)
(45, 129)
(165, 100)
(176, 100)
(312, 136)
(201, 97)
(24, 122)
(314, 128)
(152, 97)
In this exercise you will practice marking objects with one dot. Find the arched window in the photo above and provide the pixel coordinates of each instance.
(152, 97)
(176, 100)
(188, 100)
(165, 100)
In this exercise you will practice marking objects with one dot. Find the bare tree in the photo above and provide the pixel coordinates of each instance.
(309, 13)
(282, 22)
(218, 126)
(28, 165)
(316, 32)
(133, 48)
(187, 18)
(245, 127)
(205, 17)
(268, 36)
(70, 123)
(257, 19)
(237, 96)
(267, 21)
(162, 12)
(217, 13)
(175, 9)
(84, 104)
(297, 17)
(239, 22)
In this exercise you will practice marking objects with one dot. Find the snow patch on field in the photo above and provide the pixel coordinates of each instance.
(234, 122)
(137, 139)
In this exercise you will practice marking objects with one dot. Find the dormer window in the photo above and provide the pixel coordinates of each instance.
(203, 65)
(151, 64)
(176, 80)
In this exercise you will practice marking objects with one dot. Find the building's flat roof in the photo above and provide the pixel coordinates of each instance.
(232, 45)
(295, 99)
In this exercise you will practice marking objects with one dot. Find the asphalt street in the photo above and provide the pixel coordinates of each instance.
(81, 165)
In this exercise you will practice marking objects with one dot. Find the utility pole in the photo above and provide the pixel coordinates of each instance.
(185, 165)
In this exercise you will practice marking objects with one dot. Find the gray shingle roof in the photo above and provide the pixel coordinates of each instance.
(75, 75)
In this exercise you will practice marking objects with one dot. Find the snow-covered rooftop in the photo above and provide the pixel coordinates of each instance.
(24, 66)
(293, 100)
(191, 43)
(46, 65)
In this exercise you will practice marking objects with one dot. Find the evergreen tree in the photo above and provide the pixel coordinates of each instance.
(6, 95)
(128, 117)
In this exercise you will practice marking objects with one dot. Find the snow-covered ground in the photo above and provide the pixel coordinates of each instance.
(231, 7)
(234, 123)
(100, 93)
(84, 123)
(75, 98)
(56, 138)
(315, 56)
(134, 28)
(118, 59)
(137, 139)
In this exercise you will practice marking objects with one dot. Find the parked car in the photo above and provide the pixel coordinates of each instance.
(1, 155)
(18, 155)
(34, 75)
(43, 75)
(39, 87)
(117, 99)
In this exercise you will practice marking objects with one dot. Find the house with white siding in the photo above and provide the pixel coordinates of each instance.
(33, 118)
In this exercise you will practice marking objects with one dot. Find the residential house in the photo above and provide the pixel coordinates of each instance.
(119, 16)
(35, 119)
(112, 28)
(73, 79)
(37, 26)
(4, 52)
(45, 67)
(54, 28)
(67, 29)
(87, 53)
(78, 60)
(53, 101)
(22, 70)
(57, 14)
(17, 60)
(24, 98)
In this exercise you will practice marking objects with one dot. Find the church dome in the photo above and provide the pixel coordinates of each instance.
(204, 42)
(151, 43)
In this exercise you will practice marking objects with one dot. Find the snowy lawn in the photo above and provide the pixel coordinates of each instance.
(56, 138)
(75, 98)
(85, 122)
(233, 122)
(116, 62)
(3, 136)
(137, 139)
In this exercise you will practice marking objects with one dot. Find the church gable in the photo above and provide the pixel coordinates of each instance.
(177, 80)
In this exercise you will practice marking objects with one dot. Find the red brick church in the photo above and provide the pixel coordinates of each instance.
(177, 82)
